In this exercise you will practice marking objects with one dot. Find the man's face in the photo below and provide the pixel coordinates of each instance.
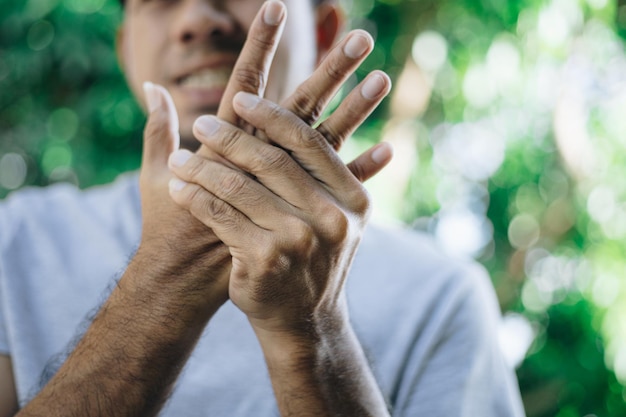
(190, 47)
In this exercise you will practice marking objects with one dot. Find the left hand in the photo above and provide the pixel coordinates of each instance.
(293, 229)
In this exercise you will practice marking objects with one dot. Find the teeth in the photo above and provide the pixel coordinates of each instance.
(208, 78)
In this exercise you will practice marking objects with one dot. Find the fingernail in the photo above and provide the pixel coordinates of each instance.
(273, 13)
(246, 100)
(180, 157)
(374, 85)
(356, 46)
(207, 125)
(382, 154)
(153, 98)
(176, 185)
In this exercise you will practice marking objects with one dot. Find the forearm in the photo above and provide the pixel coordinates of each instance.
(129, 358)
(322, 372)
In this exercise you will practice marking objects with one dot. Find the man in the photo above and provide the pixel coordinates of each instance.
(236, 301)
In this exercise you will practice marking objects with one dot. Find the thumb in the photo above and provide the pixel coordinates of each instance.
(160, 136)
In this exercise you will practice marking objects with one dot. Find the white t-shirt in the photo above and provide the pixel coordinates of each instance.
(428, 324)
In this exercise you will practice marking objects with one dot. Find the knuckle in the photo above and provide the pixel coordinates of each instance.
(272, 159)
(194, 169)
(204, 204)
(358, 170)
(307, 107)
(334, 71)
(303, 238)
(361, 201)
(337, 225)
(275, 114)
(232, 184)
(306, 134)
(228, 141)
(249, 77)
(262, 42)
(192, 198)
(274, 263)
(332, 137)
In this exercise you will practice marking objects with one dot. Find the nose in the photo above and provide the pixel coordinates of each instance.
(200, 21)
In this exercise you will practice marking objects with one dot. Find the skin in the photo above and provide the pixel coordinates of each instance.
(178, 32)
(195, 253)
(8, 396)
(292, 233)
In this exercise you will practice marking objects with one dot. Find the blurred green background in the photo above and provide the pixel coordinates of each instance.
(509, 123)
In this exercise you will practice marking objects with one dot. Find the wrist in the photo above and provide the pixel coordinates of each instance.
(190, 281)
(308, 343)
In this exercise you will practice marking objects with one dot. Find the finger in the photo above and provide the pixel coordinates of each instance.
(271, 165)
(311, 98)
(370, 162)
(252, 68)
(305, 145)
(226, 222)
(359, 104)
(161, 135)
(233, 187)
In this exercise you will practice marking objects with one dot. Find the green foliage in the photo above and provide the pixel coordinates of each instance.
(568, 349)
(65, 112)
(524, 145)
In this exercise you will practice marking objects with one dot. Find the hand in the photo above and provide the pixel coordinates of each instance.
(170, 231)
(172, 239)
(292, 230)
(313, 95)
(291, 215)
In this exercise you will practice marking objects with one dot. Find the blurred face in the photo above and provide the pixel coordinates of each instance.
(190, 47)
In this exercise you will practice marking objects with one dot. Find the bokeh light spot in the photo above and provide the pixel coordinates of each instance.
(40, 35)
(124, 116)
(523, 231)
(597, 4)
(534, 299)
(479, 88)
(56, 155)
(13, 171)
(463, 233)
(601, 204)
(503, 62)
(358, 8)
(620, 365)
(62, 124)
(430, 51)
(63, 174)
(552, 27)
(605, 290)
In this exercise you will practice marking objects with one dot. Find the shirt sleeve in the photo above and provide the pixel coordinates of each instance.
(464, 373)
